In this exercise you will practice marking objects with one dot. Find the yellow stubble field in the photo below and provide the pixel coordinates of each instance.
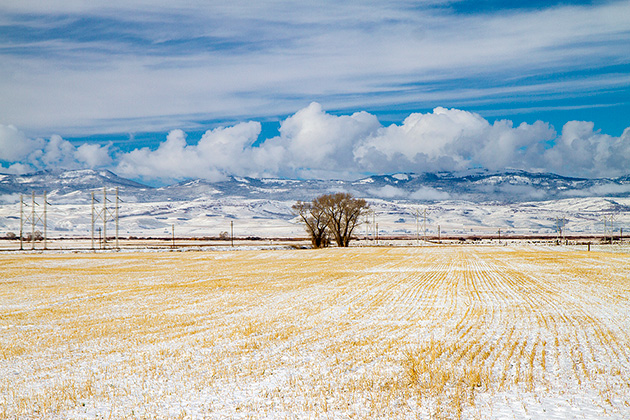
(458, 332)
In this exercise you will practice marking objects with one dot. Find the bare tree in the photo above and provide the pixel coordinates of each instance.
(38, 237)
(343, 211)
(315, 220)
(331, 215)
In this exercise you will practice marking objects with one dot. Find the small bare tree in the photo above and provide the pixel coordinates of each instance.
(38, 237)
(315, 221)
(331, 215)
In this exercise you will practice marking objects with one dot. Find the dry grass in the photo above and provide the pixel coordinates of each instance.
(358, 333)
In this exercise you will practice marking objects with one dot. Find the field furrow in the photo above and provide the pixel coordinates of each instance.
(429, 332)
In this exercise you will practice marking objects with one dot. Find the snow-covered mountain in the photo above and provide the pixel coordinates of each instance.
(60, 182)
(477, 186)
(461, 203)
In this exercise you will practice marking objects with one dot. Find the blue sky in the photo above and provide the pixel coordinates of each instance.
(104, 84)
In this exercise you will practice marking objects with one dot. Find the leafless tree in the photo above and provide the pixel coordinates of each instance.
(315, 221)
(343, 211)
(38, 236)
(331, 215)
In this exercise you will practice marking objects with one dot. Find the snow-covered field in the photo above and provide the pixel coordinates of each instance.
(208, 217)
(418, 332)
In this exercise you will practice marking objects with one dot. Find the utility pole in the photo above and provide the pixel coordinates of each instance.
(424, 226)
(21, 222)
(557, 231)
(608, 227)
(116, 218)
(375, 227)
(34, 218)
(173, 234)
(560, 235)
(104, 215)
(45, 223)
(232, 232)
(92, 220)
(417, 227)
(439, 237)
(499, 235)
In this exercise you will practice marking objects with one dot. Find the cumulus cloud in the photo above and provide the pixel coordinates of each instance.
(313, 143)
(14, 145)
(26, 155)
(93, 155)
(313, 138)
(581, 151)
(452, 139)
(220, 151)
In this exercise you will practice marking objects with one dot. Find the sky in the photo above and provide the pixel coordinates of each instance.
(161, 91)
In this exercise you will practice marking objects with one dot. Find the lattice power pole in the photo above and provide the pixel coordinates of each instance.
(609, 228)
(34, 218)
(105, 214)
(370, 226)
(424, 225)
(560, 223)
(417, 214)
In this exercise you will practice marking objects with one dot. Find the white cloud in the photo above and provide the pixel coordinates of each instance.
(220, 151)
(93, 155)
(387, 191)
(452, 139)
(26, 155)
(16, 169)
(312, 143)
(59, 153)
(14, 145)
(315, 144)
(281, 53)
(314, 140)
(581, 151)
(428, 193)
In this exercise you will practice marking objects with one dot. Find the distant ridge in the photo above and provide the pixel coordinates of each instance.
(476, 185)
(63, 181)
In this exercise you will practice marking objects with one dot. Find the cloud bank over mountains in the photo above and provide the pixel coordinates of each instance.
(315, 144)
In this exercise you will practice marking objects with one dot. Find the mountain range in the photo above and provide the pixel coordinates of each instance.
(457, 203)
(476, 186)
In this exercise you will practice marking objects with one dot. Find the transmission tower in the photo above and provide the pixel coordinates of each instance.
(34, 218)
(560, 224)
(105, 214)
(370, 225)
(609, 228)
(424, 225)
